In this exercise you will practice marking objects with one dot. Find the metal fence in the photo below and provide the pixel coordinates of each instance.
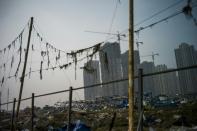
(140, 77)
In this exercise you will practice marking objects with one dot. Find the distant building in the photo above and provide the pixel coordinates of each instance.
(186, 56)
(173, 87)
(113, 66)
(148, 82)
(91, 75)
(165, 84)
(160, 80)
(110, 63)
(124, 62)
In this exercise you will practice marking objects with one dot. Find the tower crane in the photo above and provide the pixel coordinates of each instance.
(152, 55)
(138, 43)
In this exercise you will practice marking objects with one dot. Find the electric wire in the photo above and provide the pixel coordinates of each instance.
(113, 16)
(160, 21)
(159, 12)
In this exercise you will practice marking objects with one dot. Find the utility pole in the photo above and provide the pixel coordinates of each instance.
(24, 68)
(131, 68)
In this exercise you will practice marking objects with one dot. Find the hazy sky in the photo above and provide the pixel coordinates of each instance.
(63, 24)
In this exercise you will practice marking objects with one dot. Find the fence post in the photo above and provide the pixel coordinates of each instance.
(0, 102)
(32, 113)
(140, 98)
(13, 115)
(112, 123)
(70, 109)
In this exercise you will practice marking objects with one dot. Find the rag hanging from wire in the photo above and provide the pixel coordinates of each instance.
(75, 54)
(49, 46)
(20, 51)
(41, 70)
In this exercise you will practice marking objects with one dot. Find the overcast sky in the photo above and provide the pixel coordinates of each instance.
(63, 24)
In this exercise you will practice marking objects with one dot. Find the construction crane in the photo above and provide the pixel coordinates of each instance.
(152, 55)
(138, 43)
(116, 34)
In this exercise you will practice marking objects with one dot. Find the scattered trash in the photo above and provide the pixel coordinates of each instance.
(176, 116)
(158, 120)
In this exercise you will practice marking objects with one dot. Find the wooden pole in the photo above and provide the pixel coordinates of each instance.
(24, 68)
(32, 113)
(140, 98)
(131, 68)
(13, 115)
(70, 109)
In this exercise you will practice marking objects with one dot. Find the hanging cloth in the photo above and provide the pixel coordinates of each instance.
(20, 50)
(41, 70)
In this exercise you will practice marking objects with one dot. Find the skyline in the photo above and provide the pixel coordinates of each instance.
(58, 21)
(140, 64)
(114, 66)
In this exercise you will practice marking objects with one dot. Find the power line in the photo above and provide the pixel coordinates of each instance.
(159, 12)
(159, 21)
(113, 16)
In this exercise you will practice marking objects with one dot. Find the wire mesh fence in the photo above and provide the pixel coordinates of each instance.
(104, 113)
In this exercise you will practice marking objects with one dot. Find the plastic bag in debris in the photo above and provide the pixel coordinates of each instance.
(78, 126)
(81, 127)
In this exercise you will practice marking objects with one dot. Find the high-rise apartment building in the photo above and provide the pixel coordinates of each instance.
(165, 84)
(124, 62)
(91, 75)
(186, 56)
(148, 82)
(110, 63)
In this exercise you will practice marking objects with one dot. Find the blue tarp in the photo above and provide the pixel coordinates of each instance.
(78, 126)
(81, 127)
